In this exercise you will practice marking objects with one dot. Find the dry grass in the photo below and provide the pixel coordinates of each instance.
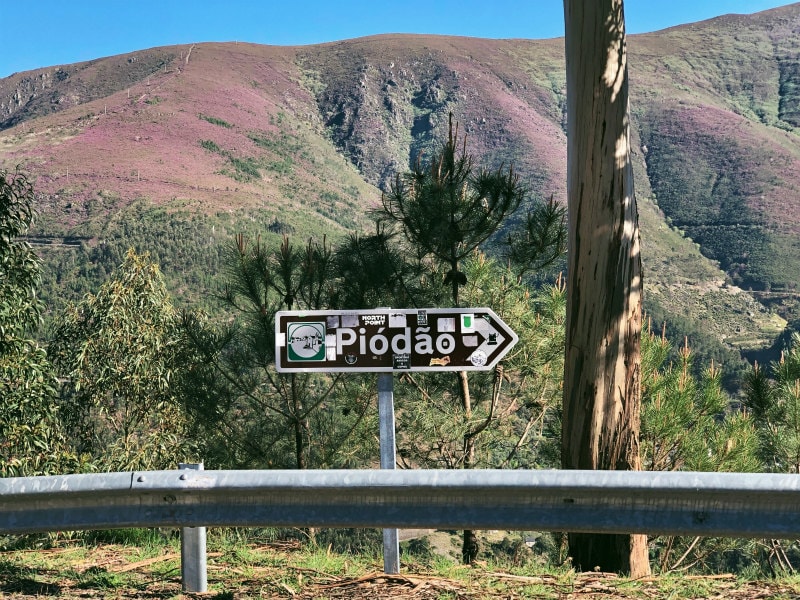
(289, 570)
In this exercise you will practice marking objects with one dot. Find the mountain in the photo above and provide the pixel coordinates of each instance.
(175, 149)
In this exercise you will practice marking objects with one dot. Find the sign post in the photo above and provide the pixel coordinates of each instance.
(391, 542)
(383, 341)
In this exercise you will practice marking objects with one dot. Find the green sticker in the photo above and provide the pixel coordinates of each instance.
(467, 323)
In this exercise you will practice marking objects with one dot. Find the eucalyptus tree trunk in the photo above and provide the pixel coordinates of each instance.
(604, 289)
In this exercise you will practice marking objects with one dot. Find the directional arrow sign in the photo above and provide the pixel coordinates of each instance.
(386, 339)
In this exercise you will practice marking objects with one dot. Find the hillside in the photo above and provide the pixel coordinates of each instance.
(174, 149)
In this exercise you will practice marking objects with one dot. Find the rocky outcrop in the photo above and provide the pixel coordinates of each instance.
(33, 94)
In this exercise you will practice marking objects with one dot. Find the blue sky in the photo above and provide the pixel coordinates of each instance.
(40, 33)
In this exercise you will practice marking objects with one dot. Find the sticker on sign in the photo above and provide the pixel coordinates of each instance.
(385, 339)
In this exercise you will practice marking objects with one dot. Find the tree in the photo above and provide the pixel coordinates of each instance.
(601, 408)
(688, 424)
(119, 353)
(31, 440)
(250, 415)
(772, 398)
(772, 395)
(446, 209)
(514, 405)
(686, 421)
(540, 242)
(379, 273)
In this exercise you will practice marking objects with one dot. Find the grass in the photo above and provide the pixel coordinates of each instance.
(246, 565)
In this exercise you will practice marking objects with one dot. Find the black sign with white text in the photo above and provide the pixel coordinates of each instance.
(384, 339)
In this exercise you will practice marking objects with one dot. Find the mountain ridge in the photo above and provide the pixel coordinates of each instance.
(302, 138)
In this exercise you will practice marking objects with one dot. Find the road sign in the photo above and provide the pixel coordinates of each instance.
(386, 339)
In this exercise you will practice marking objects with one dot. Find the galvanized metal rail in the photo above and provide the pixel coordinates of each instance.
(707, 504)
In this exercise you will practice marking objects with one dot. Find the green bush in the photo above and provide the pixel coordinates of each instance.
(216, 121)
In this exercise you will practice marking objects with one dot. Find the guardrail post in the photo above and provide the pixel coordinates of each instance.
(194, 575)
(391, 543)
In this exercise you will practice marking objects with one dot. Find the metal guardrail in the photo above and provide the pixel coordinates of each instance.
(706, 504)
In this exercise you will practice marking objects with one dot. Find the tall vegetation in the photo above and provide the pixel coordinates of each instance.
(119, 352)
(31, 440)
(772, 396)
(424, 252)
(249, 414)
(513, 406)
(144, 386)
(445, 209)
(689, 423)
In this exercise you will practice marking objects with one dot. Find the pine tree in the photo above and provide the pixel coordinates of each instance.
(514, 416)
(772, 396)
(540, 242)
(445, 210)
(689, 423)
(250, 415)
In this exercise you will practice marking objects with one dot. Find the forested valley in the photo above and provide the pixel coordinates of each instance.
(133, 376)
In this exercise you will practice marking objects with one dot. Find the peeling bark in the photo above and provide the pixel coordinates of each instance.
(604, 289)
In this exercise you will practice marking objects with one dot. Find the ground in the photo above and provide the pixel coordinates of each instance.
(288, 570)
